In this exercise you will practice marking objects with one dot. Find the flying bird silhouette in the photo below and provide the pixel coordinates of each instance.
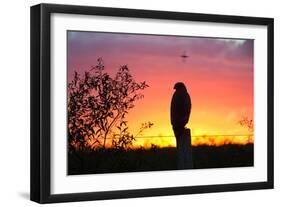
(184, 55)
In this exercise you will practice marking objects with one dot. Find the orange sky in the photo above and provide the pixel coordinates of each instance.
(218, 75)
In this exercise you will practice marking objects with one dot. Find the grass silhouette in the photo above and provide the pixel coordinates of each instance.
(157, 159)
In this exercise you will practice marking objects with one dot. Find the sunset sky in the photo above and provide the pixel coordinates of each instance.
(218, 75)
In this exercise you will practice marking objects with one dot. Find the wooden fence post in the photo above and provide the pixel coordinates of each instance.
(185, 160)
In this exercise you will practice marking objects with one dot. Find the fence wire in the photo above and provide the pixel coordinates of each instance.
(207, 135)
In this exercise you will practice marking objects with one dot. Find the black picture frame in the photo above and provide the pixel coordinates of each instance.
(41, 95)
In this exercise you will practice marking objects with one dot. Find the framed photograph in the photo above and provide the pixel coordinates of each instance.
(133, 103)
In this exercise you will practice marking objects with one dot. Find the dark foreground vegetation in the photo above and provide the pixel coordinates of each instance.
(155, 159)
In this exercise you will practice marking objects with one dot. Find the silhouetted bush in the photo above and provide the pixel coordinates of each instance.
(97, 108)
